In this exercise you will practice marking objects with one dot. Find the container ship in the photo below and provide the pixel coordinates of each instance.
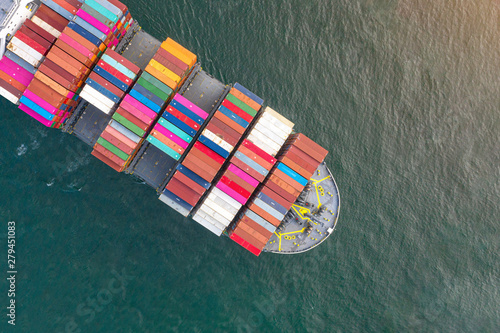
(214, 152)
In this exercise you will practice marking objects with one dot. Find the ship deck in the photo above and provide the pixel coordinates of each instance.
(311, 219)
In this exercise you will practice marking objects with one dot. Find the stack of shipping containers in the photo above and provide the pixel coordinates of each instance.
(219, 138)
(110, 80)
(265, 210)
(105, 88)
(268, 206)
(26, 50)
(85, 29)
(140, 108)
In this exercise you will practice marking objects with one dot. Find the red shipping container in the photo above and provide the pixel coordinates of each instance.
(276, 197)
(74, 53)
(62, 81)
(51, 17)
(127, 115)
(249, 238)
(234, 186)
(310, 147)
(237, 110)
(189, 182)
(239, 181)
(112, 157)
(250, 145)
(108, 85)
(245, 244)
(116, 73)
(256, 158)
(209, 152)
(48, 94)
(200, 168)
(117, 143)
(222, 134)
(173, 59)
(182, 191)
(36, 37)
(229, 122)
(257, 227)
(107, 161)
(252, 232)
(13, 82)
(182, 117)
(262, 213)
(173, 68)
(277, 188)
(31, 43)
(120, 59)
(68, 5)
(39, 30)
(240, 164)
(205, 158)
(297, 154)
(7, 86)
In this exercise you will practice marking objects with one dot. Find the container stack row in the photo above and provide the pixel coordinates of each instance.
(110, 80)
(26, 50)
(40, 33)
(221, 136)
(297, 162)
(264, 210)
(106, 20)
(175, 130)
(82, 38)
(140, 108)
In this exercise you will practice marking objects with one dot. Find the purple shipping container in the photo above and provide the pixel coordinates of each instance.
(15, 71)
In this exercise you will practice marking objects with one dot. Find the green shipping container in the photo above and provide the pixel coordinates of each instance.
(241, 105)
(155, 90)
(128, 124)
(109, 146)
(157, 83)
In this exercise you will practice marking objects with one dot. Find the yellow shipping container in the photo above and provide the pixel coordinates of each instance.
(176, 78)
(179, 52)
(162, 77)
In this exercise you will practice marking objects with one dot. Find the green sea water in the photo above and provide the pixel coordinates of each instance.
(404, 94)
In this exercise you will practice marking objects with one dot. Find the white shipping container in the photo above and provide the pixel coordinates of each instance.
(97, 96)
(264, 142)
(207, 225)
(271, 133)
(23, 54)
(225, 205)
(12, 98)
(270, 118)
(270, 139)
(217, 140)
(125, 131)
(215, 215)
(269, 126)
(174, 205)
(16, 42)
(212, 220)
(224, 196)
(219, 209)
(279, 117)
(47, 27)
(94, 101)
